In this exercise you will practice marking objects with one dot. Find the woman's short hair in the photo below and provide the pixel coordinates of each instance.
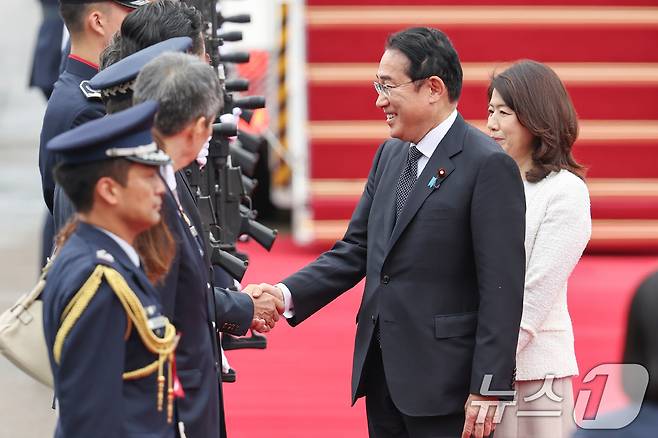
(541, 103)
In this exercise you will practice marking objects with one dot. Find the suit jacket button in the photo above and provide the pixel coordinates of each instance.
(374, 320)
(386, 279)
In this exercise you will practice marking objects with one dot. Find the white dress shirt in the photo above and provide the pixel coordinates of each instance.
(125, 246)
(169, 175)
(427, 145)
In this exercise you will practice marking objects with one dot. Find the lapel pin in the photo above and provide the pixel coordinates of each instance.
(435, 182)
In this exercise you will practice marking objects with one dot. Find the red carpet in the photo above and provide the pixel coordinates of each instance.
(300, 386)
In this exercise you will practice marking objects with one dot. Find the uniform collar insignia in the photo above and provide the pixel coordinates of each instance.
(89, 92)
(105, 256)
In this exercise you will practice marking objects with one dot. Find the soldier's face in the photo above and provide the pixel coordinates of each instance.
(140, 200)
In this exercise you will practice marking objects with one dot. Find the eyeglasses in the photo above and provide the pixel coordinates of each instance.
(385, 89)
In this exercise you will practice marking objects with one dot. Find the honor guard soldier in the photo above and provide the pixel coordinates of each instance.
(114, 87)
(91, 25)
(110, 347)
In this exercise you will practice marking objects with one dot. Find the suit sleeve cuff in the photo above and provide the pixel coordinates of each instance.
(288, 305)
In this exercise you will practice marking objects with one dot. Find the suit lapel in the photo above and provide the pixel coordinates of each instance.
(451, 144)
(183, 186)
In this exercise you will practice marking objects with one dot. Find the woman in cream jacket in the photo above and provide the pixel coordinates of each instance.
(531, 116)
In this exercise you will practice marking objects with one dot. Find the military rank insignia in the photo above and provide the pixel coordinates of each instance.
(89, 92)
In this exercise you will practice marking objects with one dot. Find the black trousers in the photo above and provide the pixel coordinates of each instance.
(384, 418)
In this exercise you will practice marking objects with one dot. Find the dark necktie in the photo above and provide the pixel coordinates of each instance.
(407, 180)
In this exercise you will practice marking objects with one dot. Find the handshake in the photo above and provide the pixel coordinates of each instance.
(268, 305)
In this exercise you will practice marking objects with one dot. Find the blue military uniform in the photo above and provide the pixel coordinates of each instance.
(102, 364)
(94, 400)
(186, 290)
(69, 106)
(48, 49)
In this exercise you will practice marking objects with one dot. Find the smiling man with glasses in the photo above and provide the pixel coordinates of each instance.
(439, 236)
(385, 89)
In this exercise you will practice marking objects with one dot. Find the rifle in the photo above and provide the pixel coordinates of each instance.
(221, 188)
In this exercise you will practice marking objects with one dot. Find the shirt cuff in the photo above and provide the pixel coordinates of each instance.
(288, 305)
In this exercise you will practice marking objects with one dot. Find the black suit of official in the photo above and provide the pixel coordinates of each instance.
(67, 108)
(93, 398)
(235, 310)
(220, 277)
(185, 294)
(444, 284)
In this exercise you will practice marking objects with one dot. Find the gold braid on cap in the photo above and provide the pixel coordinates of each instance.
(136, 315)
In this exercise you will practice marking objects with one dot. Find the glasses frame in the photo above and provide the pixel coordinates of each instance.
(385, 89)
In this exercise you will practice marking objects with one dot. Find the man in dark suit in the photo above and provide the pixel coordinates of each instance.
(189, 94)
(438, 234)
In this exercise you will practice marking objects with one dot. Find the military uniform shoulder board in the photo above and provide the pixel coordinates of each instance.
(89, 92)
(101, 254)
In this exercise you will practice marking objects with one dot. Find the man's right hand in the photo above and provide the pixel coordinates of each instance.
(274, 291)
(267, 306)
